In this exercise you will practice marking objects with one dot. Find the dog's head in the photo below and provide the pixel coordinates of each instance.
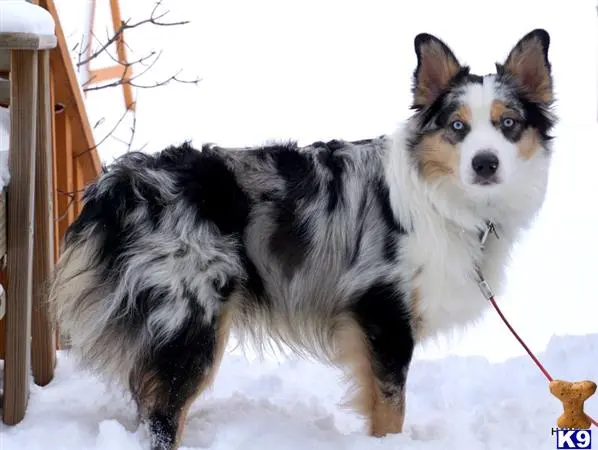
(481, 132)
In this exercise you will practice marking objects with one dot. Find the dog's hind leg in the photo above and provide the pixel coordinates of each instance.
(168, 379)
(377, 344)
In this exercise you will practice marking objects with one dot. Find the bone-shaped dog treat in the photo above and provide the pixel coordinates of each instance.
(573, 395)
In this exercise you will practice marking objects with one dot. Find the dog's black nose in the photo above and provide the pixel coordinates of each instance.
(485, 164)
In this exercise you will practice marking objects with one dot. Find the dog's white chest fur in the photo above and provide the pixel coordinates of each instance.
(443, 262)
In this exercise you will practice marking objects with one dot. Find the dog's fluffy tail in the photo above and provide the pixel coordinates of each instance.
(86, 309)
(138, 269)
(89, 298)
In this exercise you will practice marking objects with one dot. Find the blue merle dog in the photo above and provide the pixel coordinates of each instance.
(351, 252)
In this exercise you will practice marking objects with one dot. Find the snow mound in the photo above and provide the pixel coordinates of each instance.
(453, 403)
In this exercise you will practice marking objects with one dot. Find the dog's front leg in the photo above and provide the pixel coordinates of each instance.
(381, 356)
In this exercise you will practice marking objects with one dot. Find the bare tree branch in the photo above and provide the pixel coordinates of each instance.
(131, 80)
(128, 143)
(121, 140)
(72, 198)
(99, 122)
(82, 49)
(164, 82)
(127, 25)
(122, 117)
(133, 129)
(120, 82)
(85, 54)
(123, 78)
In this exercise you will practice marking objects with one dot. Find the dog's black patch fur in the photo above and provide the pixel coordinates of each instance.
(382, 314)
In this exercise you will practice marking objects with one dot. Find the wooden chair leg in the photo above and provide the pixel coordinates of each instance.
(43, 342)
(23, 106)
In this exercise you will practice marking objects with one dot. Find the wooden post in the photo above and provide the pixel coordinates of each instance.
(3, 321)
(23, 104)
(122, 53)
(79, 185)
(54, 167)
(43, 345)
(64, 163)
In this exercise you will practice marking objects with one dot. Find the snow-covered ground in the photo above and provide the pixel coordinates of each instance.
(453, 403)
(313, 70)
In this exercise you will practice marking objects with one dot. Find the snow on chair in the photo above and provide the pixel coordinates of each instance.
(27, 32)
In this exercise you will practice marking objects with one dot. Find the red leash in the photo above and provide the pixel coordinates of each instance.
(529, 352)
(487, 292)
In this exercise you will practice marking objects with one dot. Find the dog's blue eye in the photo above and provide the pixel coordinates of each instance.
(457, 125)
(508, 122)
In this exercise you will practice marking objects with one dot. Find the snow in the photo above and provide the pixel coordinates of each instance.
(19, 16)
(314, 70)
(453, 403)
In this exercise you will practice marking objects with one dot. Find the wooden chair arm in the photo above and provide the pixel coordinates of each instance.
(26, 41)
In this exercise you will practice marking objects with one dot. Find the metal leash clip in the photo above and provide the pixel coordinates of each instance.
(485, 288)
(490, 228)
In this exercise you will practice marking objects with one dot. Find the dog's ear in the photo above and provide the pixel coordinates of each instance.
(528, 63)
(436, 67)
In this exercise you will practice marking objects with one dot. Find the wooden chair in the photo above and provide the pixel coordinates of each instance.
(30, 256)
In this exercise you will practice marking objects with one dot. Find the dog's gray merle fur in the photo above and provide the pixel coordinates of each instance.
(335, 250)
